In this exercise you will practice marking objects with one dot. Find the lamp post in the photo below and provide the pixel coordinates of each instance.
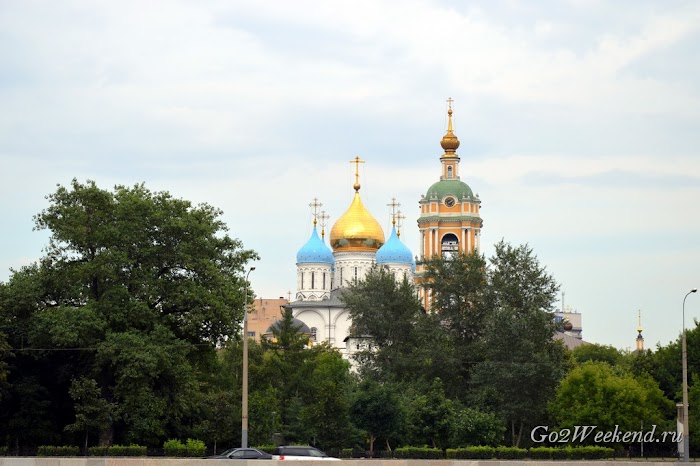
(686, 429)
(244, 403)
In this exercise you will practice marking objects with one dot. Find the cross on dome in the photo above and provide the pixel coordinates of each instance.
(394, 205)
(399, 221)
(315, 205)
(322, 218)
(357, 161)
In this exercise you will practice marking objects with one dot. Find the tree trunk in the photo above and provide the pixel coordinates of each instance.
(86, 442)
(372, 438)
(388, 447)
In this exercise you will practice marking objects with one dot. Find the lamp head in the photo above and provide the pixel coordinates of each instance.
(252, 268)
(694, 290)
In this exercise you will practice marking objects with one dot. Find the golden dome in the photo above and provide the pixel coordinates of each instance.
(357, 230)
(449, 141)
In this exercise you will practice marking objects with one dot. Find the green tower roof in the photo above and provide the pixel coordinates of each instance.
(456, 188)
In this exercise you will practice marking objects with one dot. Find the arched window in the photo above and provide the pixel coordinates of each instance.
(313, 334)
(449, 245)
(449, 172)
(313, 281)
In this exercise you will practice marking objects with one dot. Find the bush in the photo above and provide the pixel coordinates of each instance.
(118, 450)
(195, 448)
(174, 448)
(416, 453)
(541, 453)
(3, 451)
(510, 453)
(469, 453)
(98, 451)
(51, 450)
(192, 448)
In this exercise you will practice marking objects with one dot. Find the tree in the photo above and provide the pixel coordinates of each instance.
(522, 363)
(377, 410)
(137, 289)
(598, 353)
(92, 412)
(388, 312)
(593, 394)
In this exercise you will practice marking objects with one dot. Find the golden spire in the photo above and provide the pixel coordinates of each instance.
(357, 163)
(324, 216)
(639, 327)
(399, 221)
(315, 205)
(449, 141)
(393, 204)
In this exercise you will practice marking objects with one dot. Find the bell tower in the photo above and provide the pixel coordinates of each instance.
(449, 221)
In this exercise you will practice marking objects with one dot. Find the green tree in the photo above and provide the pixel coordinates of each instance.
(458, 285)
(137, 289)
(598, 353)
(92, 411)
(377, 410)
(522, 362)
(388, 311)
(593, 394)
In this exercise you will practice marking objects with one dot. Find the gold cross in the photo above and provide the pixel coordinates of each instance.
(324, 216)
(315, 205)
(399, 221)
(393, 204)
(357, 163)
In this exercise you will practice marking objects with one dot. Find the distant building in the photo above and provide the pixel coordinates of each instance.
(263, 313)
(572, 330)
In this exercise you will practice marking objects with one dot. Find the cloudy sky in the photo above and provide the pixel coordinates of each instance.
(579, 124)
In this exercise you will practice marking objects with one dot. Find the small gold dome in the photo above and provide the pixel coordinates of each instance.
(449, 141)
(356, 229)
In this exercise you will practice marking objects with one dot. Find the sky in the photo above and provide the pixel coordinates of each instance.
(579, 124)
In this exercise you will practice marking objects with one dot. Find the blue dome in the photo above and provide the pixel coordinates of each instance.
(315, 251)
(394, 251)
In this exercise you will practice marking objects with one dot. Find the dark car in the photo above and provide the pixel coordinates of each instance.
(243, 454)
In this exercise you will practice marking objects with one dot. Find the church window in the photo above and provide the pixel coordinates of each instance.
(449, 245)
(313, 280)
(324, 280)
(355, 274)
(302, 280)
(341, 276)
(449, 172)
(313, 333)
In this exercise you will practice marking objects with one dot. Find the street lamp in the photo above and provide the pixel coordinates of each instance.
(686, 429)
(244, 403)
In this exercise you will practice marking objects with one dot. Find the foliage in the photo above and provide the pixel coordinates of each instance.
(135, 291)
(388, 311)
(475, 452)
(592, 394)
(118, 450)
(598, 353)
(92, 412)
(52, 450)
(377, 410)
(423, 453)
(522, 362)
(191, 448)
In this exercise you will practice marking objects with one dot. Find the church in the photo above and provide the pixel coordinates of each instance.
(449, 223)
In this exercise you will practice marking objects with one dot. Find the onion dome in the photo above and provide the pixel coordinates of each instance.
(449, 141)
(357, 229)
(394, 251)
(315, 251)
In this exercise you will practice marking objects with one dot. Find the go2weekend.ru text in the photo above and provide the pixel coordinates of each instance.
(580, 434)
